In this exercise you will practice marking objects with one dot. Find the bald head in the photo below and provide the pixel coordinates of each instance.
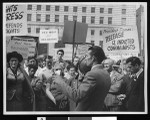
(108, 63)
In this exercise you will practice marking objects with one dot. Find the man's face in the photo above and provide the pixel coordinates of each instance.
(132, 69)
(76, 60)
(49, 63)
(59, 55)
(32, 61)
(108, 65)
(89, 59)
(72, 71)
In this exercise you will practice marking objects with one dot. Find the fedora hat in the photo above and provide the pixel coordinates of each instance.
(14, 54)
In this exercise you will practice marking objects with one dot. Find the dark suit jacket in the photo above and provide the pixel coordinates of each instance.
(135, 101)
(92, 91)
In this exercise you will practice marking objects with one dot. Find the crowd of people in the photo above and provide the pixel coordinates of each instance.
(89, 83)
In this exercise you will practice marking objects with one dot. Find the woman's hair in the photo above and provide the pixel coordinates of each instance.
(35, 67)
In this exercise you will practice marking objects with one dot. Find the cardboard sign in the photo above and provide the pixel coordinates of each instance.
(25, 46)
(49, 36)
(121, 40)
(80, 32)
(16, 19)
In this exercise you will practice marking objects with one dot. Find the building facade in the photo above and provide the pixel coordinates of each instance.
(140, 27)
(97, 16)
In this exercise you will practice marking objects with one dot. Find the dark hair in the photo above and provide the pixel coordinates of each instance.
(14, 54)
(35, 67)
(134, 61)
(98, 53)
(60, 50)
(31, 57)
(70, 66)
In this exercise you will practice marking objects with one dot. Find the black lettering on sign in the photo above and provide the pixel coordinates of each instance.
(114, 36)
(12, 13)
(121, 47)
(14, 16)
(11, 8)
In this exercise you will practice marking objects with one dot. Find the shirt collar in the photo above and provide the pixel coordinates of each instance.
(139, 72)
(97, 65)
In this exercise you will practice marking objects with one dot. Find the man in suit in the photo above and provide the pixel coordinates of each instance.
(135, 96)
(92, 91)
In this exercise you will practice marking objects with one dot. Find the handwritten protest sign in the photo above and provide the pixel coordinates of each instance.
(121, 40)
(49, 36)
(25, 46)
(16, 19)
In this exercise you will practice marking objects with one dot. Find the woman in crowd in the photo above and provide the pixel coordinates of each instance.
(36, 83)
(60, 101)
(19, 92)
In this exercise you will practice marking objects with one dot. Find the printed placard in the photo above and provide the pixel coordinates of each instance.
(16, 19)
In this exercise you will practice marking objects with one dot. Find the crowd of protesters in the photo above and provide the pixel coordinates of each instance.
(89, 83)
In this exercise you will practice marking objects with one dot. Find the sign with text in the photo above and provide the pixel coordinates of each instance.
(121, 40)
(25, 46)
(16, 19)
(49, 36)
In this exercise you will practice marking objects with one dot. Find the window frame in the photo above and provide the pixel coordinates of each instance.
(110, 10)
(46, 18)
(37, 7)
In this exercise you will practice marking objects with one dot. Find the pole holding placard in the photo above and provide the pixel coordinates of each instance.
(73, 40)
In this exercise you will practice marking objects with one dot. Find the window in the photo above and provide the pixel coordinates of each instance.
(92, 32)
(109, 10)
(83, 9)
(83, 19)
(37, 30)
(101, 10)
(74, 9)
(123, 22)
(56, 18)
(38, 17)
(123, 11)
(56, 8)
(92, 9)
(38, 7)
(74, 18)
(29, 30)
(100, 32)
(29, 7)
(65, 17)
(66, 8)
(47, 18)
(47, 7)
(28, 17)
(101, 44)
(92, 20)
(101, 20)
(109, 20)
(92, 42)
